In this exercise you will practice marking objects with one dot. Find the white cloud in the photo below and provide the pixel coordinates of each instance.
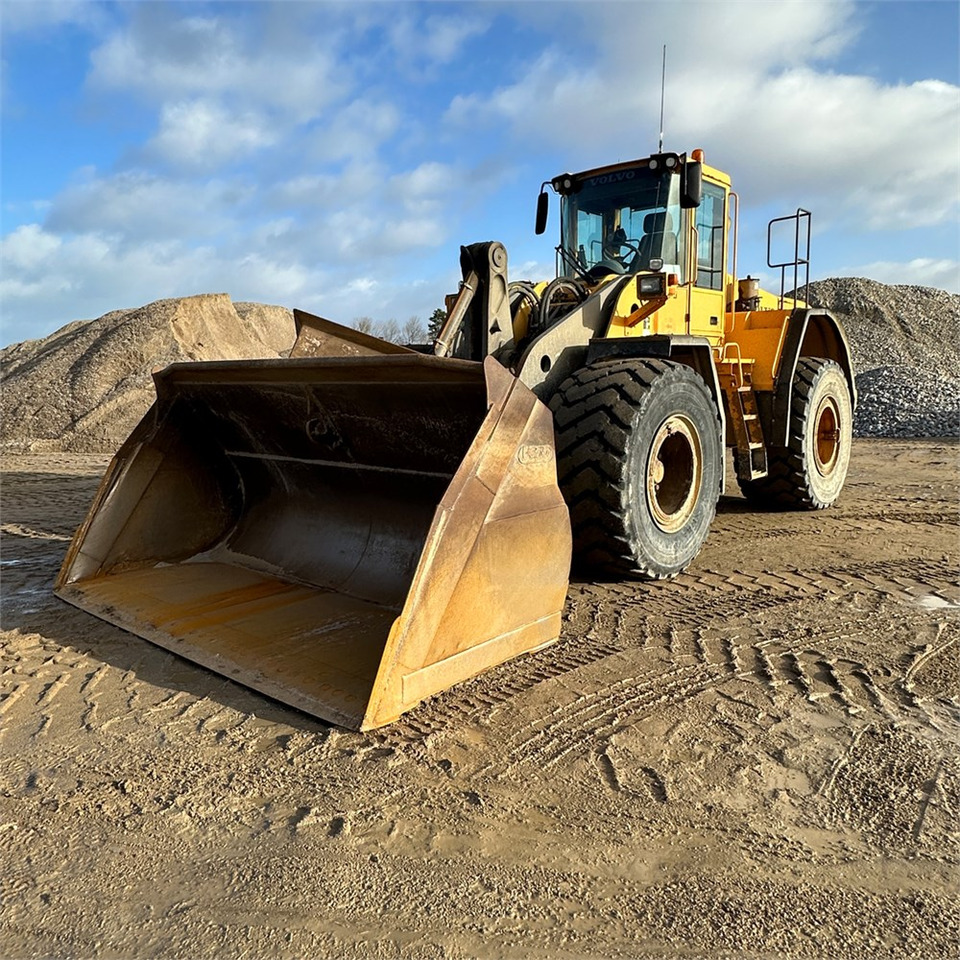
(363, 215)
(433, 40)
(535, 270)
(62, 278)
(203, 135)
(357, 130)
(403, 235)
(922, 271)
(763, 36)
(351, 184)
(431, 178)
(26, 248)
(142, 205)
(442, 38)
(361, 235)
(426, 190)
(284, 280)
(361, 285)
(786, 129)
(168, 57)
(877, 153)
(43, 14)
(601, 73)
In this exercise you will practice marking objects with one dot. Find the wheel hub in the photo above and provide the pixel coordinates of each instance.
(674, 473)
(827, 437)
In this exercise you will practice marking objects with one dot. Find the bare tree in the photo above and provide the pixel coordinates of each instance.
(363, 324)
(414, 331)
(389, 330)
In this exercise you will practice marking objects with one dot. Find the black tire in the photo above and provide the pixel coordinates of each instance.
(809, 472)
(639, 460)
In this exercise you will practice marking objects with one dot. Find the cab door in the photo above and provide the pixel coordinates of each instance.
(705, 317)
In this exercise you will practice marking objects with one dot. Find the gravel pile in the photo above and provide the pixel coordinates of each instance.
(906, 350)
(84, 388)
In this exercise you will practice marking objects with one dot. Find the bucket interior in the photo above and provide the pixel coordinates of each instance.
(268, 521)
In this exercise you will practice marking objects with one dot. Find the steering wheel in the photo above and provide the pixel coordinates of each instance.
(627, 261)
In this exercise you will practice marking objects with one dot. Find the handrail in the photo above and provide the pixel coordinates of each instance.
(733, 247)
(797, 261)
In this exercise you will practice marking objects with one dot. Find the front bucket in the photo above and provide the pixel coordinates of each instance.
(346, 535)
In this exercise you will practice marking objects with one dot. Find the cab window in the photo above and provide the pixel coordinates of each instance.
(710, 216)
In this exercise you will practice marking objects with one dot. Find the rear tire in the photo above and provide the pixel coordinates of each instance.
(639, 460)
(809, 472)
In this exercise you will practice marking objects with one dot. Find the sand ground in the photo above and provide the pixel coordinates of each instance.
(758, 759)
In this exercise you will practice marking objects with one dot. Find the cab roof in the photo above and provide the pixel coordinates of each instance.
(711, 173)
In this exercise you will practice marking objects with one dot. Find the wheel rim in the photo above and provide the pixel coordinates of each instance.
(674, 473)
(826, 439)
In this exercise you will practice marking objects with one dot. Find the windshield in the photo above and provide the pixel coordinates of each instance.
(623, 220)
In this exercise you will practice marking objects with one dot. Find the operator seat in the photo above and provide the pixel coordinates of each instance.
(658, 240)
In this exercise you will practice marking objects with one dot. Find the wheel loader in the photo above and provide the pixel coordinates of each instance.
(363, 525)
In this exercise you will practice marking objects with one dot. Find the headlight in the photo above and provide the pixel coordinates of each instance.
(651, 286)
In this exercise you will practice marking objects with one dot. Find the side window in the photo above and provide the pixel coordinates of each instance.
(710, 238)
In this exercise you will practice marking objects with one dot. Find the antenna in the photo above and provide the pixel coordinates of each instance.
(663, 77)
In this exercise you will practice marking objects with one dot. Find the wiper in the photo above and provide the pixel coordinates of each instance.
(570, 260)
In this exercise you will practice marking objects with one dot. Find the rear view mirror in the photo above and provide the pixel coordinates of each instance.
(691, 185)
(543, 207)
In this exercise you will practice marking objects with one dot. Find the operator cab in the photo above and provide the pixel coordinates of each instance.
(627, 218)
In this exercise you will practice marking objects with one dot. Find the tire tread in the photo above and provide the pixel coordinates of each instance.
(787, 485)
(594, 411)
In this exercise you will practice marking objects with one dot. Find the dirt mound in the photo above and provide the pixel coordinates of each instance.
(84, 388)
(906, 350)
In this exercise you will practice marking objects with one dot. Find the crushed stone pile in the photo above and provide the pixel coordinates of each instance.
(906, 351)
(85, 387)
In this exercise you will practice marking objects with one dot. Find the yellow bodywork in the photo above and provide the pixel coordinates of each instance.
(360, 526)
(754, 339)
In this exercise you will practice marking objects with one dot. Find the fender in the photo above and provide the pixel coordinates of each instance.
(562, 348)
(810, 333)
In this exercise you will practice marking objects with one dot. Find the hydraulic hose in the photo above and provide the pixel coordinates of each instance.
(565, 287)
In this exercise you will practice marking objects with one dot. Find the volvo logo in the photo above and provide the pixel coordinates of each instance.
(612, 177)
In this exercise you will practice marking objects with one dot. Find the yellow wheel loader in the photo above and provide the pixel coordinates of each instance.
(362, 525)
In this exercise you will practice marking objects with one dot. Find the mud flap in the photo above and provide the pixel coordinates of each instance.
(347, 535)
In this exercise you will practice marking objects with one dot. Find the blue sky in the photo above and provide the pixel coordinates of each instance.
(334, 156)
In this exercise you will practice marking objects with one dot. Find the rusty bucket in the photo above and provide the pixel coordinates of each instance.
(348, 535)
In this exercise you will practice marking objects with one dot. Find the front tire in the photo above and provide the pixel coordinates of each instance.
(639, 459)
(808, 473)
